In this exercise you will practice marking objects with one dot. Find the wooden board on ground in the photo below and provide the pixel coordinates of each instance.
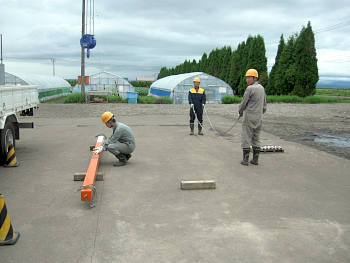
(198, 185)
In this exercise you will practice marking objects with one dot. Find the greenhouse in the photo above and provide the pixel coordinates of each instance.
(107, 81)
(49, 87)
(178, 86)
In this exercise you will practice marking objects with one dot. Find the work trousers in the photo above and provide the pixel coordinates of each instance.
(251, 128)
(199, 113)
(117, 148)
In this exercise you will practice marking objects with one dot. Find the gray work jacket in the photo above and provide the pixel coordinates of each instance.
(253, 104)
(123, 134)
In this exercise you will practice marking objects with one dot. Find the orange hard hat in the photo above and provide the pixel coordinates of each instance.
(252, 73)
(107, 116)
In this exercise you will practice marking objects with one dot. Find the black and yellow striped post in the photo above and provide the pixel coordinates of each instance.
(11, 160)
(7, 236)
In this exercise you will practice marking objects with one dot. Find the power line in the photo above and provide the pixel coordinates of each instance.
(322, 30)
(333, 27)
(334, 45)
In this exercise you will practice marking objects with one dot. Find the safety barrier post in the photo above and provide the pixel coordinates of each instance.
(90, 178)
(7, 235)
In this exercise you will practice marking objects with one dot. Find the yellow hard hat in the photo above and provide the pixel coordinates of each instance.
(196, 80)
(107, 116)
(252, 73)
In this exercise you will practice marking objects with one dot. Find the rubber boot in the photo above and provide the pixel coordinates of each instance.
(246, 152)
(200, 129)
(122, 160)
(192, 128)
(256, 151)
(128, 156)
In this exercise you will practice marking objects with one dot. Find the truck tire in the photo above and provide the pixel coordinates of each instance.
(7, 135)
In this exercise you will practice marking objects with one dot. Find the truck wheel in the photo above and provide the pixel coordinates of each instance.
(7, 135)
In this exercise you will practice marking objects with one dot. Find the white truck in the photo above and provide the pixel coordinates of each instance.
(15, 100)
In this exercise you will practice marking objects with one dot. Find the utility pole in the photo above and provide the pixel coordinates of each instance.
(1, 48)
(83, 52)
(53, 64)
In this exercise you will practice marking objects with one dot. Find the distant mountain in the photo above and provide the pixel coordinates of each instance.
(333, 84)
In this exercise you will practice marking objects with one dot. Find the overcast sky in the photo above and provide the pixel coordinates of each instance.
(135, 38)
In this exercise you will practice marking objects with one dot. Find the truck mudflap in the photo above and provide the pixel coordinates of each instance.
(29, 125)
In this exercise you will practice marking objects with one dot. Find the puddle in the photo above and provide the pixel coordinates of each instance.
(332, 140)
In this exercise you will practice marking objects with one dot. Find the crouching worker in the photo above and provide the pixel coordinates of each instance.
(122, 141)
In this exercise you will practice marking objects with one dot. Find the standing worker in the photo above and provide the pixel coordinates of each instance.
(197, 99)
(122, 141)
(254, 106)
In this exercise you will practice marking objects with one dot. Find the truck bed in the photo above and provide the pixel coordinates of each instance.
(17, 98)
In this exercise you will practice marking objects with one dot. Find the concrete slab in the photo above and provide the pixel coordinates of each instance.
(292, 207)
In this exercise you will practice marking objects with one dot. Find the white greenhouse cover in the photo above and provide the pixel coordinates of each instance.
(44, 82)
(178, 86)
(107, 81)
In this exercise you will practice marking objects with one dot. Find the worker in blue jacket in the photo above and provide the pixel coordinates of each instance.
(197, 99)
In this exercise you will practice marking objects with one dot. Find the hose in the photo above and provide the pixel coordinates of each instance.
(222, 134)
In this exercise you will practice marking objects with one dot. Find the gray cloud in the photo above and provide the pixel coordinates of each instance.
(137, 38)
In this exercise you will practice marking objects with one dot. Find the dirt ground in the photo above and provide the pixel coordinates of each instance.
(321, 126)
(324, 127)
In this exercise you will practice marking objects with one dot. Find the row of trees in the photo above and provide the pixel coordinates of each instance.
(294, 72)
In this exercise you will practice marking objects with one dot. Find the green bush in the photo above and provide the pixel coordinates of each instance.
(74, 98)
(146, 84)
(283, 98)
(230, 99)
(142, 91)
(164, 100)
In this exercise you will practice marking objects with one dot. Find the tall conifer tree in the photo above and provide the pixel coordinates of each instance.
(307, 74)
(257, 58)
(286, 72)
(270, 88)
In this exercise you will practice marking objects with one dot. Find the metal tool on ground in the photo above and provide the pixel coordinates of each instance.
(198, 121)
(265, 149)
(88, 188)
(7, 236)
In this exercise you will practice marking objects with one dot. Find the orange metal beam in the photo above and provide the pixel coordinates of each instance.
(90, 178)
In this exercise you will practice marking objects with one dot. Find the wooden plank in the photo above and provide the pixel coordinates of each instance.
(90, 178)
(198, 185)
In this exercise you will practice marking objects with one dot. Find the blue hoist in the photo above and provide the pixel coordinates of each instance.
(89, 42)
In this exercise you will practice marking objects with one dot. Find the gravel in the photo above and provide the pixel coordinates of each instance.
(321, 126)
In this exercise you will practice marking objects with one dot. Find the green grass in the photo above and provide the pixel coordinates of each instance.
(288, 99)
(74, 98)
(58, 100)
(334, 92)
(153, 100)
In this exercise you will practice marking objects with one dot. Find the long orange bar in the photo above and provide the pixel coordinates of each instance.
(90, 177)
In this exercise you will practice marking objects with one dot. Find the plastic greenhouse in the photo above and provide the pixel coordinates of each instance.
(107, 81)
(49, 87)
(178, 86)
